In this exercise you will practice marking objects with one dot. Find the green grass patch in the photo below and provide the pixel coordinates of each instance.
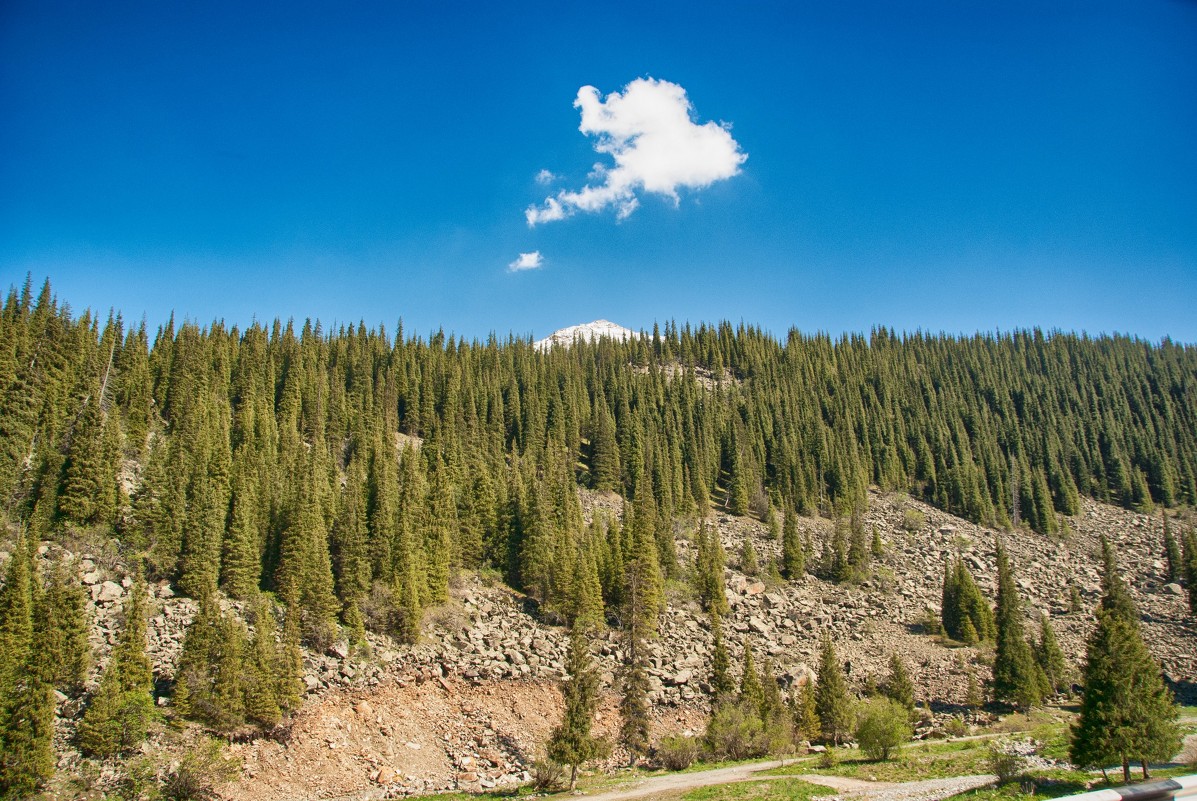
(779, 790)
(915, 762)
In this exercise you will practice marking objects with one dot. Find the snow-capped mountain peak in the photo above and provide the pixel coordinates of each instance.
(587, 332)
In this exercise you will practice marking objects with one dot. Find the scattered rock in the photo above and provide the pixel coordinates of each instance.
(107, 592)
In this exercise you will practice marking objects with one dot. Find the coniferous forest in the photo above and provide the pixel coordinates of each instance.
(351, 471)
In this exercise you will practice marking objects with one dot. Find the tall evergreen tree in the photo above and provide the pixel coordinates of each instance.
(1050, 657)
(1190, 568)
(722, 685)
(1172, 553)
(263, 668)
(26, 688)
(793, 559)
(63, 618)
(643, 586)
(1127, 711)
(119, 712)
(832, 700)
(709, 561)
(1017, 678)
(571, 743)
(752, 691)
(898, 686)
(966, 615)
(806, 713)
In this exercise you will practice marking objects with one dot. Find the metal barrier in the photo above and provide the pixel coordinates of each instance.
(1177, 787)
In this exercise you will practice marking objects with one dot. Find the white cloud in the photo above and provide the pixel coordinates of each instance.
(655, 144)
(544, 177)
(526, 261)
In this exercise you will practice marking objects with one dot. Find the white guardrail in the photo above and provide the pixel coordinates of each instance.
(1177, 787)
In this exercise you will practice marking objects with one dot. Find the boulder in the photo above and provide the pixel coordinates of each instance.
(106, 592)
(680, 678)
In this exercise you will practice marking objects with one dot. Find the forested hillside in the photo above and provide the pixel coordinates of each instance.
(351, 471)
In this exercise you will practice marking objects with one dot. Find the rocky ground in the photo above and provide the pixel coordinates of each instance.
(471, 705)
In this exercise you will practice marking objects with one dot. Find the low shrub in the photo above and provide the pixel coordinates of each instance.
(882, 727)
(677, 752)
(1007, 760)
(913, 519)
(547, 775)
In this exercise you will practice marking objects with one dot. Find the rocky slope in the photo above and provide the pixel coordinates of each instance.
(472, 703)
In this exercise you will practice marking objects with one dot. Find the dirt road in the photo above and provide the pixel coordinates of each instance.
(675, 783)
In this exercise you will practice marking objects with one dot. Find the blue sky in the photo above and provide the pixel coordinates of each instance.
(954, 166)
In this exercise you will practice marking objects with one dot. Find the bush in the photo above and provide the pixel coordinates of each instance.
(677, 752)
(735, 731)
(829, 758)
(199, 773)
(882, 727)
(1007, 760)
(547, 775)
(913, 519)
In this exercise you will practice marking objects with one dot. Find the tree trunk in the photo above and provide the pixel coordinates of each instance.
(1143, 762)
(573, 777)
(1126, 769)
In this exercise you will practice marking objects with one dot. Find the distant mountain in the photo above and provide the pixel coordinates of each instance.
(587, 332)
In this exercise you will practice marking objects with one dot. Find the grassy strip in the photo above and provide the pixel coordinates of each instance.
(913, 763)
(779, 790)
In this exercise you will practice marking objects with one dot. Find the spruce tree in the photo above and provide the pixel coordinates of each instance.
(16, 617)
(749, 565)
(290, 687)
(210, 680)
(898, 686)
(1017, 678)
(119, 712)
(806, 713)
(64, 619)
(1190, 565)
(966, 615)
(571, 743)
(27, 730)
(722, 685)
(1127, 712)
(1049, 656)
(585, 605)
(643, 587)
(1172, 553)
(709, 560)
(793, 560)
(26, 691)
(752, 692)
(832, 700)
(263, 667)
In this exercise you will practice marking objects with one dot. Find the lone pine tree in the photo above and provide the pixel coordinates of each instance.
(1127, 711)
(572, 743)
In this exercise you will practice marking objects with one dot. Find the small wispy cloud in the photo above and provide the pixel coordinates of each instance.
(526, 261)
(649, 131)
(544, 177)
